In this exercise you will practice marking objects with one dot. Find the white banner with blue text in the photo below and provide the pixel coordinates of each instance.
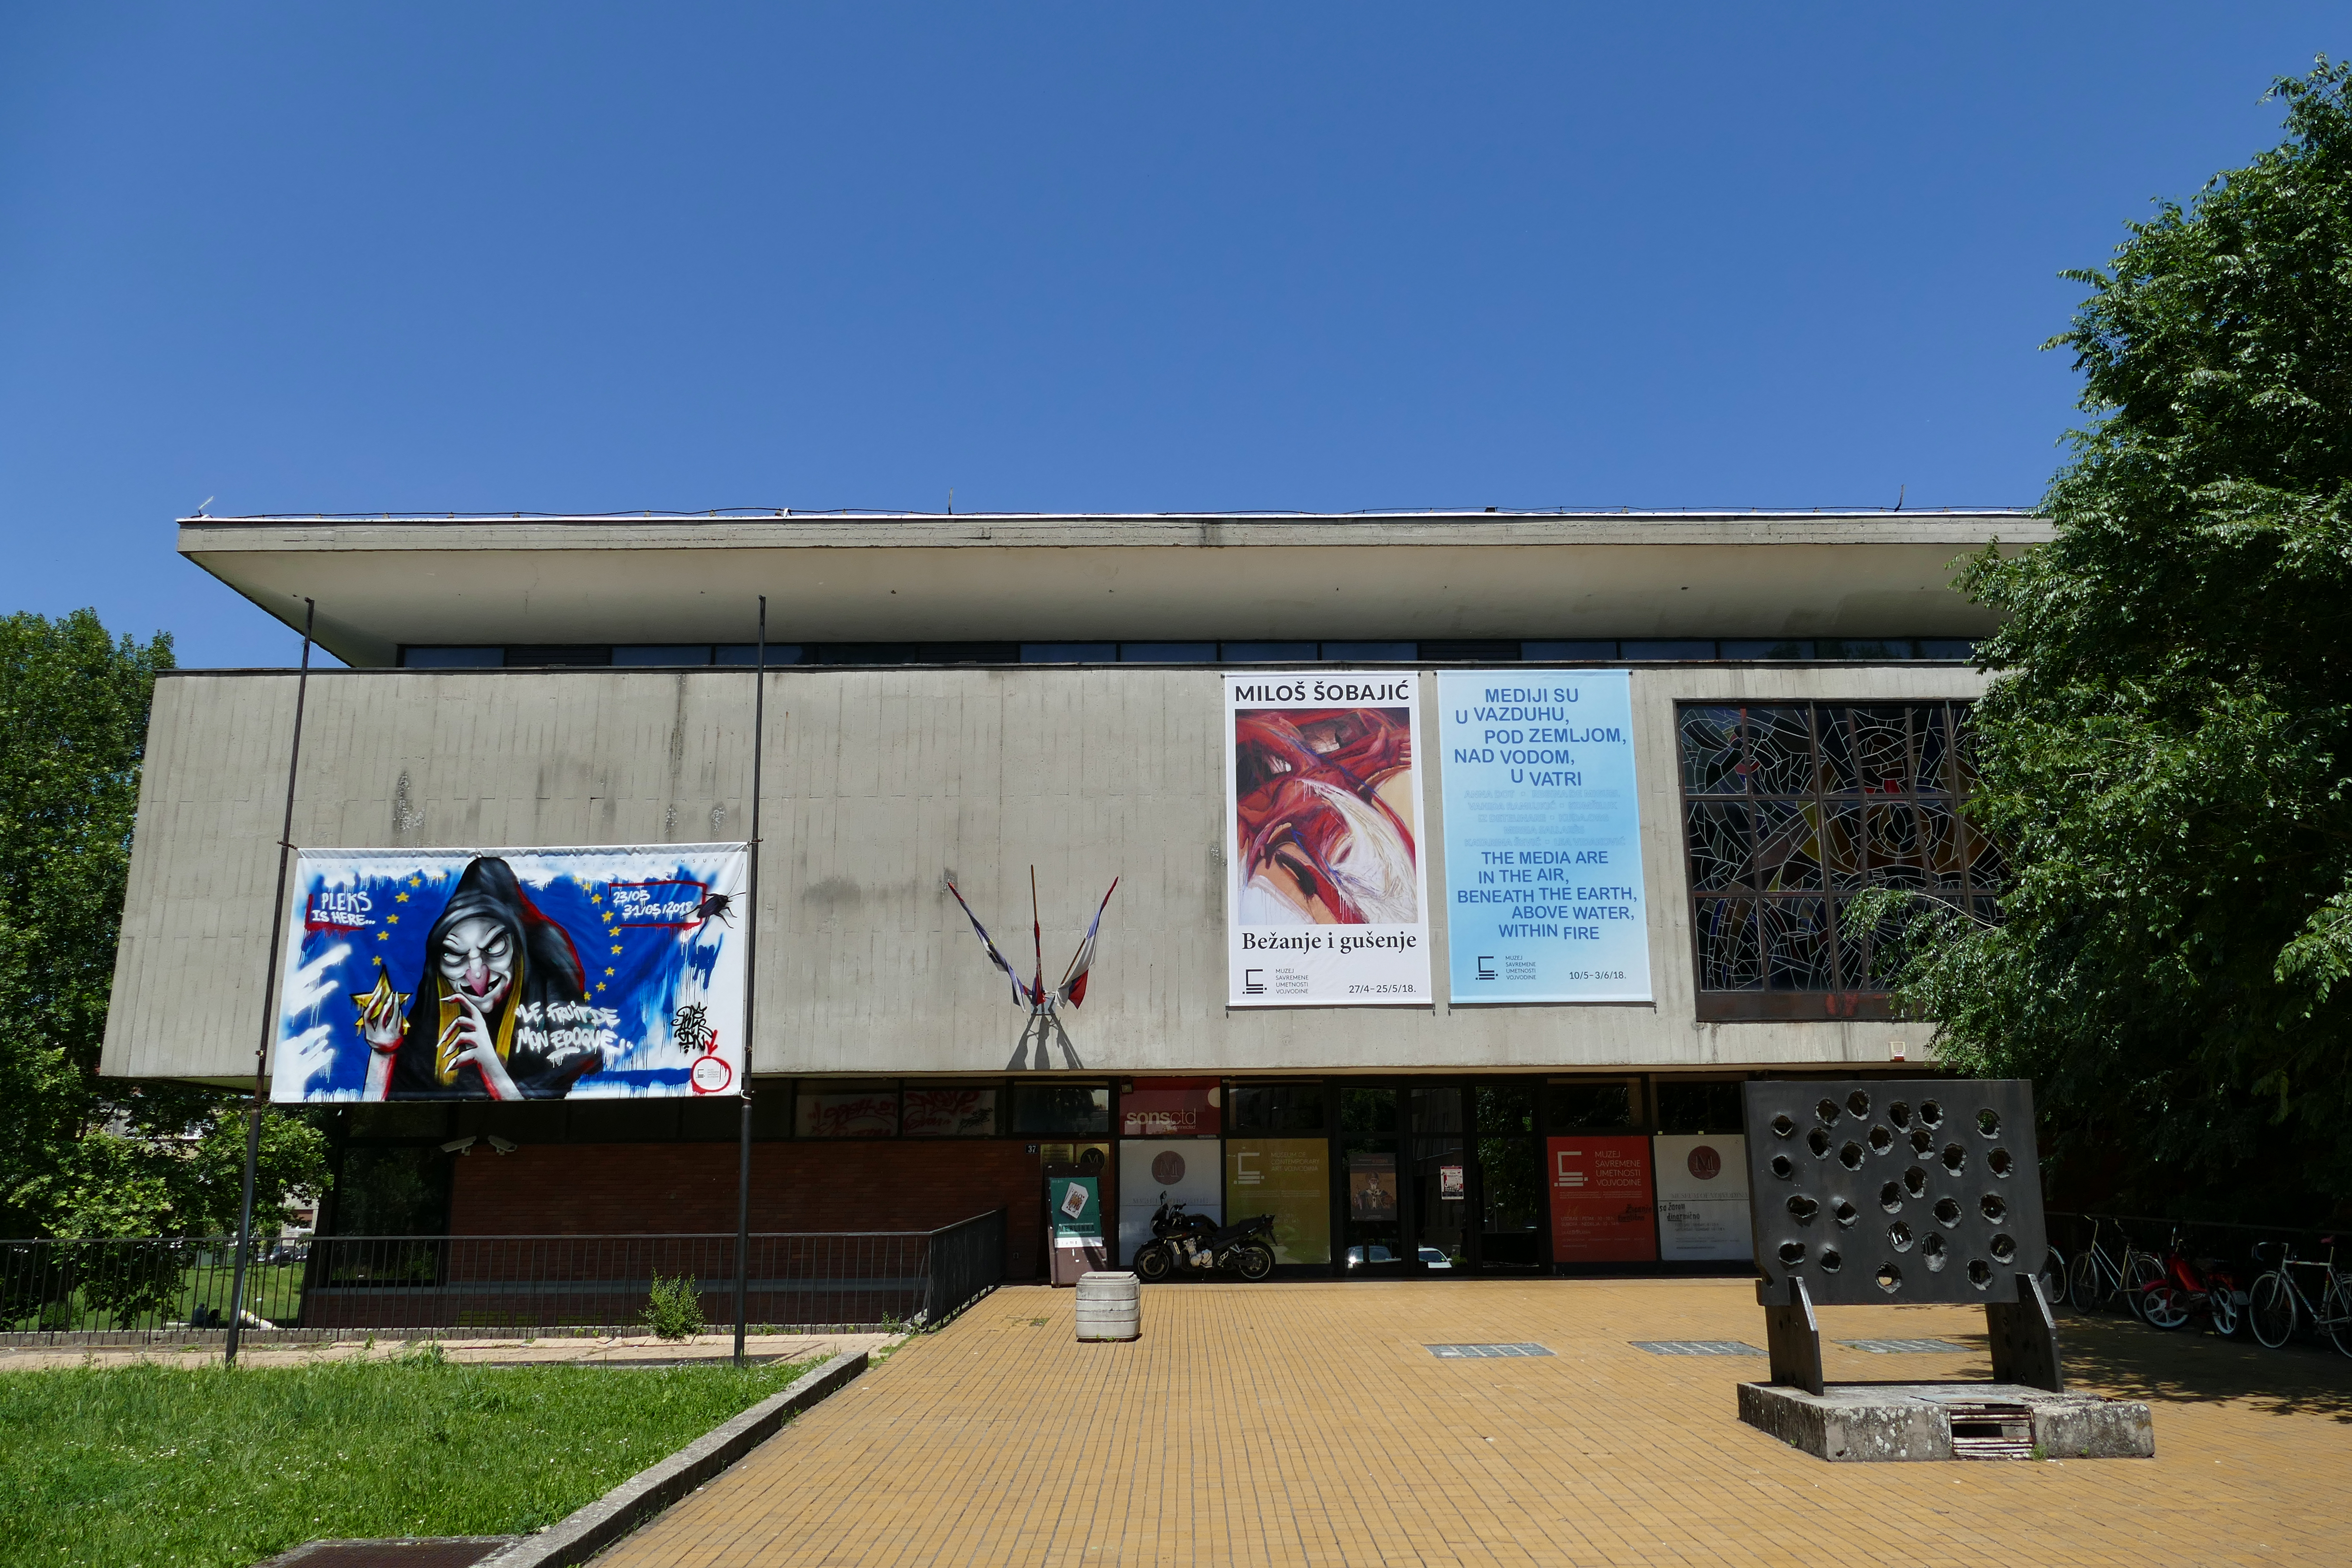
(1543, 836)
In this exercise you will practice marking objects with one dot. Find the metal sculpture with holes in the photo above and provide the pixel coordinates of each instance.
(1903, 1192)
(1899, 1192)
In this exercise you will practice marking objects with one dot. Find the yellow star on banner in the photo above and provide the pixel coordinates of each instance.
(382, 999)
(617, 947)
(608, 969)
(400, 898)
(608, 917)
(386, 936)
(600, 985)
(416, 881)
(595, 897)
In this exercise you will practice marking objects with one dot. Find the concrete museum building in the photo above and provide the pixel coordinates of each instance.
(1435, 879)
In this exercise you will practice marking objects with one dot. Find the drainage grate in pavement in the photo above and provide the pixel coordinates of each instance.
(1448, 1350)
(1905, 1347)
(1696, 1347)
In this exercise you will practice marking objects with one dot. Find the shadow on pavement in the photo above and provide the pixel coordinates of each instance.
(2130, 1359)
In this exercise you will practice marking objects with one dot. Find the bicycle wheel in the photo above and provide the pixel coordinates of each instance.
(2337, 1308)
(2053, 1275)
(2143, 1272)
(2270, 1310)
(2088, 1285)
(2166, 1306)
(2221, 1305)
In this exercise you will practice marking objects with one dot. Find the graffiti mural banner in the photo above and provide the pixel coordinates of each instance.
(1327, 895)
(1543, 838)
(602, 974)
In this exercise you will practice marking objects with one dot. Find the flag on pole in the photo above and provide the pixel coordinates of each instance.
(1020, 997)
(1037, 935)
(1072, 988)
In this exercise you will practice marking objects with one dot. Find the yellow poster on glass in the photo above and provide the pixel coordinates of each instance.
(1289, 1178)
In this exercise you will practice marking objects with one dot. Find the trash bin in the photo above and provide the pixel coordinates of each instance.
(1110, 1305)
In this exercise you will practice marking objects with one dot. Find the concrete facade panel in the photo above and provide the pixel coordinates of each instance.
(876, 782)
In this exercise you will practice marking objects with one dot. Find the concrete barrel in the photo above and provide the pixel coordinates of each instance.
(1110, 1305)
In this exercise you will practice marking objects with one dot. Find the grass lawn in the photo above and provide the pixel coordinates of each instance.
(213, 1468)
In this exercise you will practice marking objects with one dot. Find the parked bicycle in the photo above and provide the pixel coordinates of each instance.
(2190, 1285)
(2099, 1275)
(2280, 1297)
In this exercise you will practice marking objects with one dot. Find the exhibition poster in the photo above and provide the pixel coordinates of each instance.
(1702, 1185)
(611, 972)
(1372, 1186)
(1326, 901)
(1289, 1178)
(1602, 1210)
(1543, 845)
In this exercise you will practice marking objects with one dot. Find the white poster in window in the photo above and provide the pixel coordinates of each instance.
(1327, 895)
(1702, 1185)
(1183, 1169)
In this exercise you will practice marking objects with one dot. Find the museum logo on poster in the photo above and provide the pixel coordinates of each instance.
(1327, 894)
(1602, 1208)
(1543, 838)
(592, 974)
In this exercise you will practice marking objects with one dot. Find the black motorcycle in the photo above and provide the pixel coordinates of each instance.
(1195, 1244)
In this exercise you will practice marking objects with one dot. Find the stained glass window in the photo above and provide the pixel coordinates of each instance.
(1790, 807)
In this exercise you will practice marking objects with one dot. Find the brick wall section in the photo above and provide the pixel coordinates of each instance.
(588, 1189)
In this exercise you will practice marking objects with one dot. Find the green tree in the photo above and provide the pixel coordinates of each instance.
(79, 1155)
(2165, 753)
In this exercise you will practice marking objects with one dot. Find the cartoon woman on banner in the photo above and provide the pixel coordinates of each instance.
(501, 1011)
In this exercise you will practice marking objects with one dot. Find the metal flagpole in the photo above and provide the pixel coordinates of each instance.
(269, 998)
(750, 997)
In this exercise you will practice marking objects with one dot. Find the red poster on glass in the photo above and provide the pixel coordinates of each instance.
(1170, 1108)
(1602, 1208)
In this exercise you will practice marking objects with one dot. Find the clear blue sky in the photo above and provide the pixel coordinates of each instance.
(333, 257)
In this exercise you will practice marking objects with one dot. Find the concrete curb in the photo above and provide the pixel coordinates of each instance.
(581, 1535)
(426, 1549)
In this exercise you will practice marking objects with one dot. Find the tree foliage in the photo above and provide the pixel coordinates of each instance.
(2166, 750)
(79, 1155)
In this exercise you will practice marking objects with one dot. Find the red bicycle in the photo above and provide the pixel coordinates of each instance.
(2192, 1285)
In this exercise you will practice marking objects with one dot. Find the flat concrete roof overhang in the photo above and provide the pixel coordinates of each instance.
(382, 581)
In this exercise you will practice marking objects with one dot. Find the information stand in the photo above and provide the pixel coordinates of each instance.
(1075, 1227)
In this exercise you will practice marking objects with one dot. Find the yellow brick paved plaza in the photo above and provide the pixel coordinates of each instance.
(1305, 1424)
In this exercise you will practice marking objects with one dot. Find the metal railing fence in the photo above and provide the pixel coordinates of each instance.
(966, 1261)
(160, 1286)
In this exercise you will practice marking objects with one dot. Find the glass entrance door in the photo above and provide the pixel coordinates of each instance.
(1440, 1186)
(1373, 1196)
(1510, 1180)
(1443, 1179)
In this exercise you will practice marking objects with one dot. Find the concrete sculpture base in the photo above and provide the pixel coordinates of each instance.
(1870, 1422)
